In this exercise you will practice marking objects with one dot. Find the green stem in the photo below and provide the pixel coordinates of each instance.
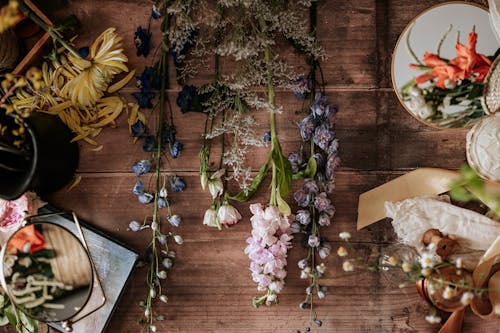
(50, 30)
(271, 95)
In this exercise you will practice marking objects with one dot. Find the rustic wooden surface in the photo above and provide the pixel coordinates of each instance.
(210, 288)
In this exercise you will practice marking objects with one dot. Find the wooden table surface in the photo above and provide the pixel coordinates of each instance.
(210, 288)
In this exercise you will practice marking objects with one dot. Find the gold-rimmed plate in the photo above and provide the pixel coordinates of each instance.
(452, 100)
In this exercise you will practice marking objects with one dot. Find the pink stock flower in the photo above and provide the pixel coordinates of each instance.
(267, 249)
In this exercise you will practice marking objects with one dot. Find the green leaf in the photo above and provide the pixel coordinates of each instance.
(308, 172)
(254, 185)
(283, 168)
(283, 206)
(460, 193)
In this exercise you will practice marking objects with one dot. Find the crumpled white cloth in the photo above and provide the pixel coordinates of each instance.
(411, 218)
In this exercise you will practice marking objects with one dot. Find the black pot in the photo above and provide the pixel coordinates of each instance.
(49, 162)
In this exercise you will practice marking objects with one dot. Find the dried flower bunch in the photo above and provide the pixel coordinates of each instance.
(442, 281)
(448, 92)
(157, 136)
(76, 85)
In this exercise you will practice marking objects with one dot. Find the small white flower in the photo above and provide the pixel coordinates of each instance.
(392, 261)
(152, 293)
(415, 103)
(426, 111)
(174, 220)
(496, 309)
(162, 275)
(466, 298)
(426, 271)
(178, 239)
(146, 313)
(347, 266)
(431, 288)
(459, 263)
(228, 215)
(163, 192)
(164, 298)
(303, 263)
(428, 260)
(153, 328)
(324, 251)
(167, 263)
(433, 319)
(134, 226)
(215, 184)
(305, 273)
(321, 268)
(345, 235)
(342, 252)
(210, 218)
(406, 267)
(449, 292)
(321, 294)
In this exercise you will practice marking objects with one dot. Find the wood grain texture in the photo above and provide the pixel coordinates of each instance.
(210, 288)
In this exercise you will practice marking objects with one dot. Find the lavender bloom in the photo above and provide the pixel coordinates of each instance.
(142, 39)
(313, 241)
(322, 202)
(163, 202)
(138, 129)
(310, 186)
(323, 136)
(330, 115)
(144, 99)
(149, 143)
(177, 183)
(174, 220)
(295, 161)
(175, 150)
(320, 104)
(138, 188)
(324, 250)
(324, 219)
(303, 217)
(141, 167)
(302, 87)
(295, 228)
(307, 126)
(320, 161)
(145, 198)
(334, 147)
(331, 165)
(186, 97)
(155, 12)
(302, 198)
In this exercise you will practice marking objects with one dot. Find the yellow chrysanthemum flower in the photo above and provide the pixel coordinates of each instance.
(94, 76)
(9, 15)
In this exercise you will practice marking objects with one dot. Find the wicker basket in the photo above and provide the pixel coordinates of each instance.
(9, 50)
(491, 91)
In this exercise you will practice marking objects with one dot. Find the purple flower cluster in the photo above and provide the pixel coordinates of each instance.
(316, 208)
(267, 249)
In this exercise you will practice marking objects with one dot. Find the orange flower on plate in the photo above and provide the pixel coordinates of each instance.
(467, 63)
(24, 236)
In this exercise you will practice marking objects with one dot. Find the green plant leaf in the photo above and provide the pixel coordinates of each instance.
(254, 185)
(283, 168)
(460, 193)
(283, 206)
